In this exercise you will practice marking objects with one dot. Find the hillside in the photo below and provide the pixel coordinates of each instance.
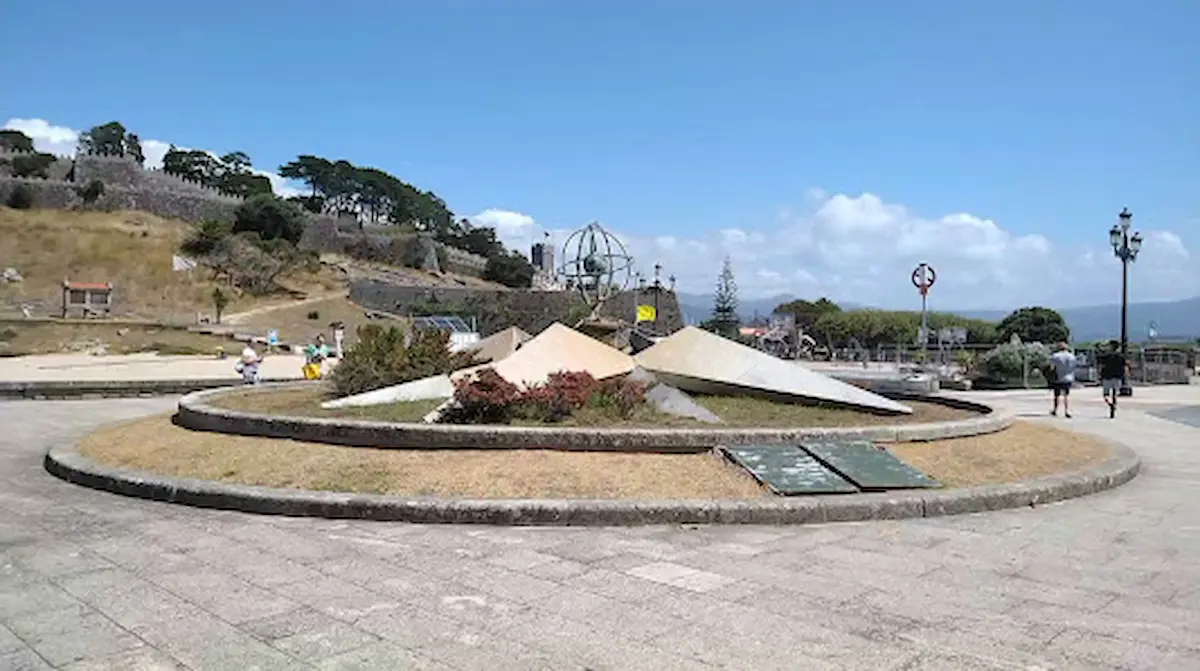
(133, 250)
(1175, 319)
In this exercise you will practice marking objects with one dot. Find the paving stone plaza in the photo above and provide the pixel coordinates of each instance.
(90, 580)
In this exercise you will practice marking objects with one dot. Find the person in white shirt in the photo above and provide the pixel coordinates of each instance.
(1063, 363)
(339, 336)
(248, 364)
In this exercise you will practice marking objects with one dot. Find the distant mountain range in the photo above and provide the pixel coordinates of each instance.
(1174, 319)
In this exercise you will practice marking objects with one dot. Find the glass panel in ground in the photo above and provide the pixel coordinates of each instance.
(787, 470)
(867, 465)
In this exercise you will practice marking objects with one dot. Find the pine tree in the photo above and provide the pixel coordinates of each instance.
(725, 319)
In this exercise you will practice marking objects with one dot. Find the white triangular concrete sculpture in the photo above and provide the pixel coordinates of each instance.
(697, 361)
(558, 348)
(499, 345)
(437, 386)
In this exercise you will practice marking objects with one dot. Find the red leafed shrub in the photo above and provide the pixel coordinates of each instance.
(485, 398)
(490, 399)
(562, 394)
(620, 396)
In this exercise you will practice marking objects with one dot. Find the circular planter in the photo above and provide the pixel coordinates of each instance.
(196, 413)
(67, 463)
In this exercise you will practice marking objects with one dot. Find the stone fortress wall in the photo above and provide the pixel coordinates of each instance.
(127, 186)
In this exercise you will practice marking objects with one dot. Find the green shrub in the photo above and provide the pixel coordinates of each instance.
(381, 358)
(32, 165)
(270, 217)
(1004, 363)
(8, 334)
(510, 269)
(203, 239)
(21, 198)
(92, 192)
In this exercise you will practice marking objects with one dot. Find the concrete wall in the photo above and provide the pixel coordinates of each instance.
(496, 310)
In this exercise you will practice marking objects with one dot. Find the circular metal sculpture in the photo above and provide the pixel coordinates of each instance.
(596, 264)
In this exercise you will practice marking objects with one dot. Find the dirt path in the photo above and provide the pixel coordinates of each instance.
(241, 317)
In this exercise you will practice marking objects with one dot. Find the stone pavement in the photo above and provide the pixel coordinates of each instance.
(90, 580)
(62, 367)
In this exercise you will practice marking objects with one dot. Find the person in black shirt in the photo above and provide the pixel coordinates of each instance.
(1113, 368)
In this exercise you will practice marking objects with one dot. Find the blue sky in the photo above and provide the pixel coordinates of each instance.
(694, 129)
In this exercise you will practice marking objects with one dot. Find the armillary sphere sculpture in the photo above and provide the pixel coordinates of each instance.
(597, 265)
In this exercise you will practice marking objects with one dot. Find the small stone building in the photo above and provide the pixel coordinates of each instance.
(92, 299)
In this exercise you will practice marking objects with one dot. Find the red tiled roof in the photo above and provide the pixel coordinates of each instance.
(88, 285)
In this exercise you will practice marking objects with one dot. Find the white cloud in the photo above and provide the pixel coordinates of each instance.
(62, 141)
(505, 222)
(1166, 242)
(861, 249)
(852, 248)
(57, 140)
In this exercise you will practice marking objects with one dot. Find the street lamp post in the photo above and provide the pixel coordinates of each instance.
(657, 291)
(923, 278)
(1126, 248)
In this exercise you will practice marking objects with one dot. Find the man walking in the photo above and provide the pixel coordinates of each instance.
(1113, 369)
(1063, 366)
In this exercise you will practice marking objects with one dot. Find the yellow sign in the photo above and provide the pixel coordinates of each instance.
(646, 313)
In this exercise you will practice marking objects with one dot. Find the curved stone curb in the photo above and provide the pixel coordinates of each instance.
(67, 463)
(79, 389)
(195, 413)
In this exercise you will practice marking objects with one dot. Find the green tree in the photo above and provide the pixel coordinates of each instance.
(220, 302)
(133, 148)
(511, 269)
(237, 177)
(384, 356)
(270, 218)
(111, 139)
(194, 164)
(807, 312)
(725, 320)
(479, 240)
(1034, 324)
(313, 171)
(231, 173)
(237, 161)
(205, 238)
(32, 165)
(15, 140)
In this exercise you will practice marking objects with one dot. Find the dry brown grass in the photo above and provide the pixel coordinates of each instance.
(305, 402)
(1023, 451)
(736, 411)
(745, 411)
(294, 324)
(157, 445)
(130, 249)
(36, 337)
